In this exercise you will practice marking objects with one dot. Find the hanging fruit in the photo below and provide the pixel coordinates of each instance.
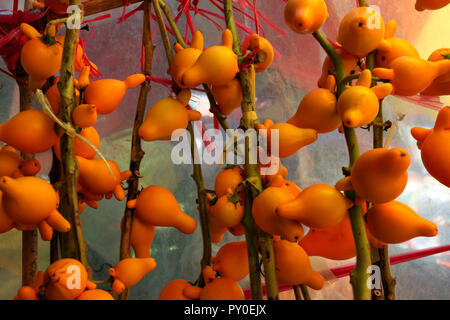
(60, 283)
(41, 56)
(293, 267)
(290, 138)
(174, 290)
(228, 96)
(186, 58)
(95, 294)
(157, 206)
(393, 48)
(166, 116)
(435, 145)
(217, 65)
(319, 206)
(379, 175)
(305, 16)
(129, 272)
(31, 201)
(228, 210)
(438, 55)
(264, 212)
(231, 261)
(106, 94)
(80, 147)
(30, 131)
(395, 222)
(13, 165)
(361, 31)
(229, 179)
(358, 105)
(411, 75)
(84, 115)
(264, 54)
(431, 4)
(142, 235)
(352, 65)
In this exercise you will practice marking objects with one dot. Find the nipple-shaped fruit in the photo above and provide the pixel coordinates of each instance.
(293, 267)
(435, 146)
(30, 131)
(95, 294)
(31, 201)
(129, 272)
(142, 235)
(58, 280)
(395, 222)
(379, 175)
(412, 75)
(335, 243)
(106, 94)
(264, 212)
(228, 210)
(431, 4)
(84, 115)
(231, 261)
(317, 111)
(305, 16)
(265, 52)
(351, 67)
(217, 65)
(361, 31)
(358, 105)
(228, 179)
(174, 290)
(319, 206)
(186, 58)
(287, 137)
(166, 116)
(228, 96)
(157, 206)
(80, 147)
(6, 223)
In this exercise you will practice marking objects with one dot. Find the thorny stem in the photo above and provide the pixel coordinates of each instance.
(136, 150)
(248, 121)
(197, 168)
(74, 242)
(359, 275)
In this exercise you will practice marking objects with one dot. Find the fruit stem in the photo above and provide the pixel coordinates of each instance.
(74, 245)
(197, 168)
(248, 121)
(137, 153)
(359, 275)
(363, 3)
(305, 292)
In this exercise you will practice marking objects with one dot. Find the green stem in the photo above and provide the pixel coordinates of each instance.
(249, 121)
(74, 242)
(163, 31)
(136, 150)
(359, 275)
(363, 3)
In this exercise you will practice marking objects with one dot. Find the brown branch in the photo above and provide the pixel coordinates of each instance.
(136, 150)
(74, 242)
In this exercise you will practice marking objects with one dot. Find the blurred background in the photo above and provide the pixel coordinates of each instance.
(116, 49)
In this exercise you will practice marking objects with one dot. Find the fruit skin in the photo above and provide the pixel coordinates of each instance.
(319, 206)
(228, 179)
(96, 294)
(231, 261)
(13, 165)
(26, 293)
(393, 48)
(129, 272)
(435, 146)
(106, 94)
(335, 243)
(358, 105)
(412, 75)
(350, 62)
(157, 206)
(6, 223)
(264, 212)
(228, 210)
(166, 116)
(438, 55)
(317, 111)
(31, 201)
(305, 16)
(437, 89)
(217, 65)
(293, 267)
(379, 175)
(361, 31)
(228, 96)
(84, 115)
(265, 51)
(395, 222)
(54, 97)
(174, 290)
(30, 131)
(430, 4)
(57, 279)
(80, 147)
(186, 58)
(290, 137)
(142, 235)
(95, 178)
(39, 60)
